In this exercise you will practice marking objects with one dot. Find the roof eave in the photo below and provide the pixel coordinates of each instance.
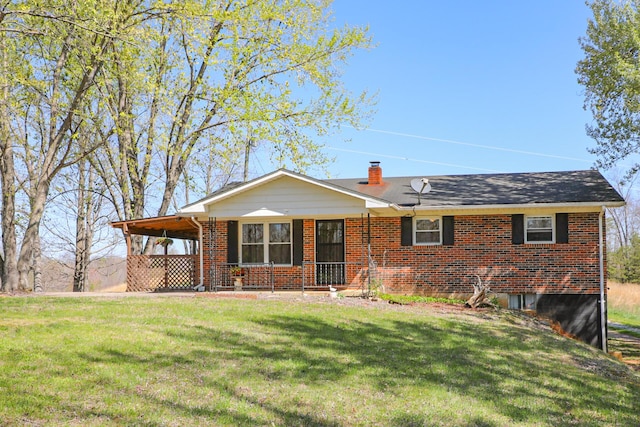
(525, 206)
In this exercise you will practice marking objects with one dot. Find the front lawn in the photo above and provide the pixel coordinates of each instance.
(203, 361)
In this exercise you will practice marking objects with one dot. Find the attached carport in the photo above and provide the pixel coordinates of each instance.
(163, 272)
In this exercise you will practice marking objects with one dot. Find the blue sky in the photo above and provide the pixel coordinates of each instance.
(456, 77)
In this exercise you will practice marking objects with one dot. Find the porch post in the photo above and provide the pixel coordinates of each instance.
(166, 266)
(368, 253)
(127, 237)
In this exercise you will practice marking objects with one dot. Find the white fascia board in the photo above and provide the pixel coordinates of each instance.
(577, 207)
(201, 206)
(197, 208)
(376, 204)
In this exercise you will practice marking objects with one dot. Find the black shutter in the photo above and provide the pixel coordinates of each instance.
(517, 229)
(406, 233)
(298, 241)
(232, 242)
(447, 230)
(562, 228)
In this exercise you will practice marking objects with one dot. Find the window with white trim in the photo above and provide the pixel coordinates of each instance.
(427, 231)
(539, 229)
(263, 243)
(523, 301)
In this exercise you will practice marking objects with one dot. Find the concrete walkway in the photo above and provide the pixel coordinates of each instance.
(625, 327)
(188, 294)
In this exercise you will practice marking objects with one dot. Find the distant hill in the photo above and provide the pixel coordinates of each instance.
(104, 273)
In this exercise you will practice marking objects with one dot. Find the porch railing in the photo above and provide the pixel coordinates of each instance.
(322, 275)
(225, 276)
(161, 272)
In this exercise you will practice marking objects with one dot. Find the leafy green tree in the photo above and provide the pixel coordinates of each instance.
(624, 262)
(212, 78)
(610, 74)
(53, 52)
(158, 86)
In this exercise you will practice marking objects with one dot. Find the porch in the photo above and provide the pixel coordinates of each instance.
(311, 276)
(165, 273)
(213, 264)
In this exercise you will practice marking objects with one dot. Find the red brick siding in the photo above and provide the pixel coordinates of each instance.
(482, 246)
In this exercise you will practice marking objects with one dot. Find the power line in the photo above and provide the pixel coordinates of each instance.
(486, 147)
(412, 160)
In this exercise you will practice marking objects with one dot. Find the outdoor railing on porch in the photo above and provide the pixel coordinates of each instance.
(147, 273)
(322, 275)
(254, 277)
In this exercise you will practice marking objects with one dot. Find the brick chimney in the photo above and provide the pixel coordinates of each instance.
(375, 173)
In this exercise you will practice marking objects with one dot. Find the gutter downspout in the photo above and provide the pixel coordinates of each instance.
(603, 303)
(201, 253)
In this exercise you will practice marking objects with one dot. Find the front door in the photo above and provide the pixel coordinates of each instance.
(330, 252)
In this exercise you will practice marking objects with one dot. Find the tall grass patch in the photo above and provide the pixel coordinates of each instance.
(623, 302)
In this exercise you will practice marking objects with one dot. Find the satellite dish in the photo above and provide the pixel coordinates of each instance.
(420, 186)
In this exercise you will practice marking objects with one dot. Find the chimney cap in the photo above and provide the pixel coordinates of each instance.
(374, 163)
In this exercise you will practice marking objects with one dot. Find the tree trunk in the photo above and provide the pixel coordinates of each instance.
(9, 276)
(479, 296)
(9, 270)
(84, 227)
(37, 265)
(27, 252)
(79, 271)
(247, 152)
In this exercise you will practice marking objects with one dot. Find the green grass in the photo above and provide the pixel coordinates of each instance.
(410, 299)
(625, 316)
(201, 361)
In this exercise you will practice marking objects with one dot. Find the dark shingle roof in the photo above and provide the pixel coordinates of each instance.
(586, 186)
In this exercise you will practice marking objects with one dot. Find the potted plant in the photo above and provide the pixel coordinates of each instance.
(164, 241)
(236, 274)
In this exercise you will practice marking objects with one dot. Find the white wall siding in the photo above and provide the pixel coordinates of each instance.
(287, 197)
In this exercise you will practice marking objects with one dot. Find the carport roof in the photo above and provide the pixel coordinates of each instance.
(176, 227)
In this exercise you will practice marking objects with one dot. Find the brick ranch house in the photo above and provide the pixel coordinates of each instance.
(537, 239)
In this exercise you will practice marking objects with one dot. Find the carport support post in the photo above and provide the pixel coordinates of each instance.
(166, 266)
(127, 237)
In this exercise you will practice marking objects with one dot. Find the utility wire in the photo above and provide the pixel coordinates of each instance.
(412, 160)
(486, 147)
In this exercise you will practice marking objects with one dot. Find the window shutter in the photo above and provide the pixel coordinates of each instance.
(406, 234)
(298, 241)
(517, 229)
(447, 230)
(562, 228)
(232, 242)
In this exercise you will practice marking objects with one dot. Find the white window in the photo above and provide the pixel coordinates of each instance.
(539, 229)
(427, 231)
(263, 243)
(523, 301)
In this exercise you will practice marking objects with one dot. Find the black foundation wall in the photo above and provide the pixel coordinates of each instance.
(578, 314)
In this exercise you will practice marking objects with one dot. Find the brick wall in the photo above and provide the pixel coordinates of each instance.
(482, 246)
